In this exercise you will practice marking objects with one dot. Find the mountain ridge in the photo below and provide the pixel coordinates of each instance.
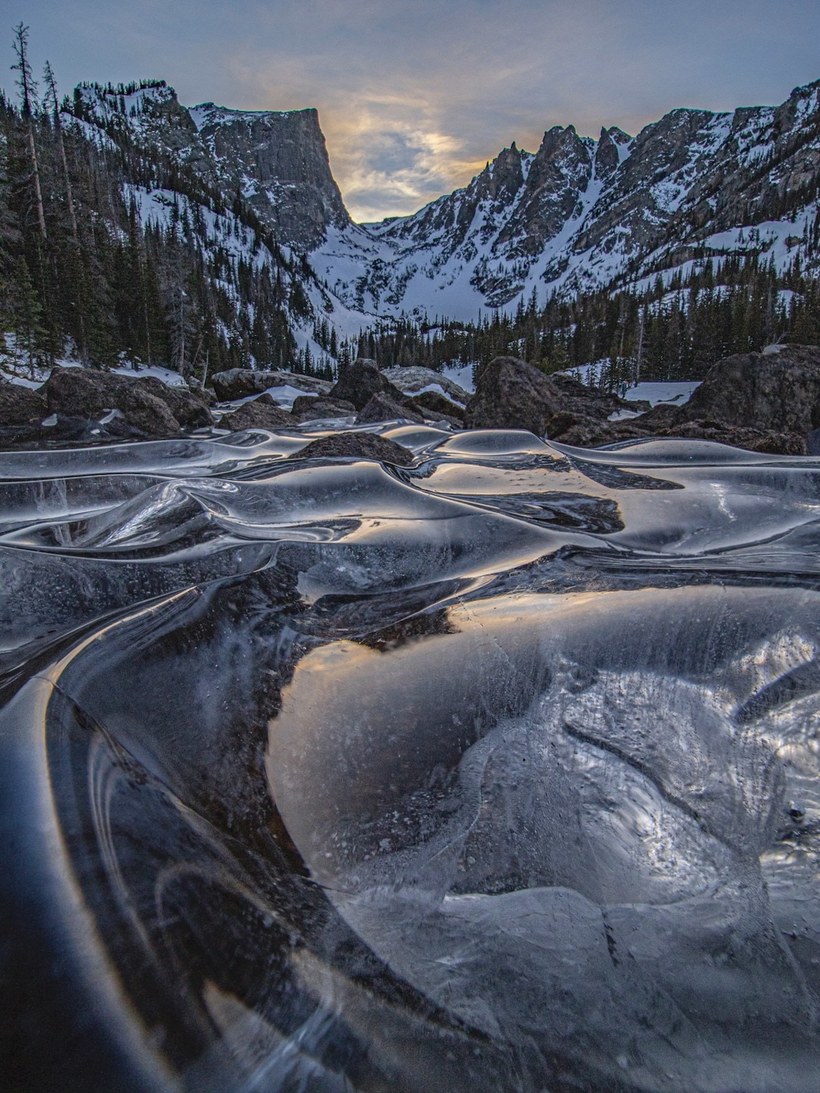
(230, 230)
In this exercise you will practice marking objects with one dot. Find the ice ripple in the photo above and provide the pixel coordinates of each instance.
(497, 771)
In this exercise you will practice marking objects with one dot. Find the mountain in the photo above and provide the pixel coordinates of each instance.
(208, 238)
(581, 215)
(275, 160)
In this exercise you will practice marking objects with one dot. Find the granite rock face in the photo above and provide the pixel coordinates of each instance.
(279, 160)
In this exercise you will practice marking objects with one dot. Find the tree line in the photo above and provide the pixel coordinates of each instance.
(83, 274)
(674, 329)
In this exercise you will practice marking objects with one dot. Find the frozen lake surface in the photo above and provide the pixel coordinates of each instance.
(498, 771)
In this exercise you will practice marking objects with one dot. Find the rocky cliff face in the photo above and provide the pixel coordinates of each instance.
(276, 160)
(280, 163)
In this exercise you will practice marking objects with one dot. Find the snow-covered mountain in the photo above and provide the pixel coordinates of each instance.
(581, 214)
(577, 215)
(276, 161)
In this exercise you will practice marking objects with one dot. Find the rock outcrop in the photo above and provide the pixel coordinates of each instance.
(279, 159)
(259, 413)
(511, 394)
(356, 446)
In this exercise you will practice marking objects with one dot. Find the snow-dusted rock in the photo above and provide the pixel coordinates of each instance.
(236, 383)
(413, 380)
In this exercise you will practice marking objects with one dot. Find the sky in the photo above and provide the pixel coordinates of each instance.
(414, 96)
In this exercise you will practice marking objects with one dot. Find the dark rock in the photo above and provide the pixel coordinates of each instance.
(309, 408)
(261, 413)
(382, 407)
(188, 407)
(412, 379)
(777, 391)
(296, 196)
(20, 405)
(658, 419)
(436, 405)
(766, 441)
(87, 394)
(577, 398)
(357, 446)
(591, 432)
(511, 394)
(243, 382)
(362, 380)
(205, 395)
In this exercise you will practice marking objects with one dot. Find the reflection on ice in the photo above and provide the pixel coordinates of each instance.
(498, 771)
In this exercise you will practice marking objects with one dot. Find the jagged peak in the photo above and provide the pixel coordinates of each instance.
(618, 135)
(806, 90)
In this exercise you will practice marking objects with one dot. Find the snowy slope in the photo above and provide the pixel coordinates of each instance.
(576, 215)
(580, 215)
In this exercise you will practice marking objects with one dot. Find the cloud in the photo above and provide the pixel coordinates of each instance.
(415, 97)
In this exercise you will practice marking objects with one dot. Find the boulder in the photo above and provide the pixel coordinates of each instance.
(20, 405)
(776, 391)
(382, 407)
(260, 413)
(432, 404)
(309, 408)
(360, 381)
(145, 406)
(357, 446)
(511, 394)
(413, 379)
(243, 382)
(87, 394)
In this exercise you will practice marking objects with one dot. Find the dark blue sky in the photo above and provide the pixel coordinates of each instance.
(415, 95)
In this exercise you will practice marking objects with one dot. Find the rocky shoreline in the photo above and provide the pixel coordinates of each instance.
(765, 402)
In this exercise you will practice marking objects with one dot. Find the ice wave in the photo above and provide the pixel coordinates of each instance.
(496, 771)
